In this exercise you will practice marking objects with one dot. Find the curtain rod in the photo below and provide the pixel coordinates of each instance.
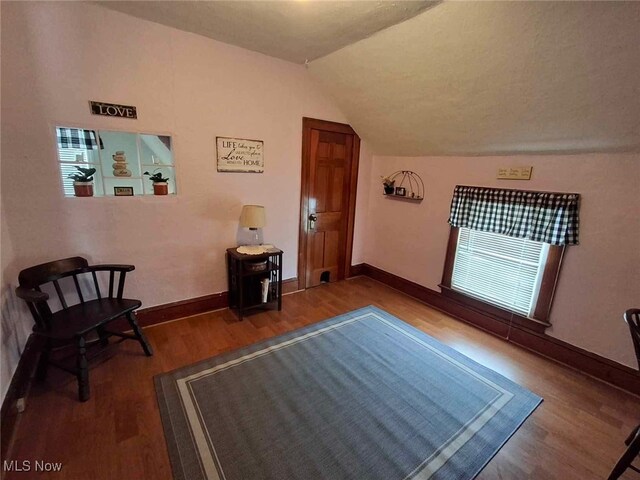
(519, 190)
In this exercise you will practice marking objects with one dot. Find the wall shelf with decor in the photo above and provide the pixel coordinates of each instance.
(403, 185)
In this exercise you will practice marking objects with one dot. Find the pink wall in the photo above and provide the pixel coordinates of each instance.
(56, 56)
(14, 325)
(600, 278)
(360, 230)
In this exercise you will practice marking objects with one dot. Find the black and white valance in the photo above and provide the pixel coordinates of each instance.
(78, 138)
(539, 216)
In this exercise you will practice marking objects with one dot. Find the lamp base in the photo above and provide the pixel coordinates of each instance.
(250, 236)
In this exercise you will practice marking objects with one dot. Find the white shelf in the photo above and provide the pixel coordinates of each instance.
(123, 178)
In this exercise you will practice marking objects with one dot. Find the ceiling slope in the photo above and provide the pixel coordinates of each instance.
(292, 30)
(479, 78)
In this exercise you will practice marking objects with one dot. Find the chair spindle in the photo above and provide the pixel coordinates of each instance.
(60, 295)
(43, 314)
(121, 279)
(111, 278)
(78, 289)
(96, 285)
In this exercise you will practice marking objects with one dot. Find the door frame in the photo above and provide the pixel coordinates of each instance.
(309, 124)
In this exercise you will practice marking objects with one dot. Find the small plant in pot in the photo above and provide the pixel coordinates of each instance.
(389, 185)
(83, 182)
(160, 186)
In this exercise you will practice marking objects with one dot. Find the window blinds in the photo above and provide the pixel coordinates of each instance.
(501, 270)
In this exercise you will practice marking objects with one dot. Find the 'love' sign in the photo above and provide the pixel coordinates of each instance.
(113, 110)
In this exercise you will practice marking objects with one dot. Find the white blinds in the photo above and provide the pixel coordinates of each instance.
(501, 270)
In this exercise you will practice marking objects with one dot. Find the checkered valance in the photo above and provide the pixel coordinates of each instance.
(78, 138)
(539, 216)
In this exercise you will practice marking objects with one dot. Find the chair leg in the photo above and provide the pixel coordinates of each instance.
(43, 362)
(104, 338)
(139, 334)
(83, 371)
(632, 435)
(627, 457)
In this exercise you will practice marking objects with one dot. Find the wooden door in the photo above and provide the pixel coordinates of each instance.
(329, 177)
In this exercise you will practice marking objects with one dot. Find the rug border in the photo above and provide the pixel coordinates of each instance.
(533, 409)
(173, 452)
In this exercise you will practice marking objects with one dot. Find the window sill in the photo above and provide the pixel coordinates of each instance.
(169, 199)
(494, 312)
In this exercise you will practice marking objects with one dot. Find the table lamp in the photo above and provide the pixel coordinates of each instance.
(253, 218)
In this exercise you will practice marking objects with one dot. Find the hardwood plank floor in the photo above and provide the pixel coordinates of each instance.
(577, 432)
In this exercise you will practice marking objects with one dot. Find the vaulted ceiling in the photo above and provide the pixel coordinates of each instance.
(430, 78)
(495, 78)
(294, 30)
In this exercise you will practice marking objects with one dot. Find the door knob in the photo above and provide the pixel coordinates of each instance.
(313, 218)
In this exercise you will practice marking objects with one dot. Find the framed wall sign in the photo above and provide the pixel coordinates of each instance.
(123, 191)
(113, 110)
(239, 155)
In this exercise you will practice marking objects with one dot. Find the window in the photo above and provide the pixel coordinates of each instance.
(120, 159)
(506, 277)
(505, 250)
(504, 271)
(72, 157)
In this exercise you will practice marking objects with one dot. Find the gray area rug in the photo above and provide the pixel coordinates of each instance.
(359, 396)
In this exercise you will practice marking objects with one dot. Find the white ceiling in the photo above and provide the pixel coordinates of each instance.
(485, 78)
(291, 30)
(460, 78)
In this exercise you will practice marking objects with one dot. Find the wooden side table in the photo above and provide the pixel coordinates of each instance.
(246, 275)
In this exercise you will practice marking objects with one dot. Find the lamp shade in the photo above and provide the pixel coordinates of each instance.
(252, 216)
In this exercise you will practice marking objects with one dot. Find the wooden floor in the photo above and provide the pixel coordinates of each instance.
(577, 432)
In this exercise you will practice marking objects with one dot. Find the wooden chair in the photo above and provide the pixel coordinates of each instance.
(71, 325)
(632, 317)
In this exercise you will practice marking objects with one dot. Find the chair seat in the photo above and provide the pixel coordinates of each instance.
(84, 317)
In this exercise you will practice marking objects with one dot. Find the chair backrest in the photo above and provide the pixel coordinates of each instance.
(632, 317)
(33, 277)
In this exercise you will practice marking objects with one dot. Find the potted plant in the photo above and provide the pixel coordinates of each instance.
(83, 182)
(389, 185)
(160, 186)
